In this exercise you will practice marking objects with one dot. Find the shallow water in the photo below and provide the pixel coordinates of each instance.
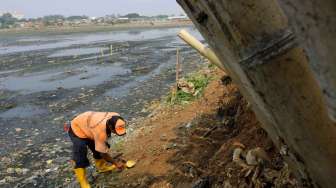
(13, 44)
(73, 78)
(76, 52)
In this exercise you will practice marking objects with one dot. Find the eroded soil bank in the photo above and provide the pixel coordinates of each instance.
(193, 145)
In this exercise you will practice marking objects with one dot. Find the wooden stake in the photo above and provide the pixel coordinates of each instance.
(177, 66)
(111, 50)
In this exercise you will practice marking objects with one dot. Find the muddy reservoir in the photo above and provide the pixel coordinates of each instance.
(47, 79)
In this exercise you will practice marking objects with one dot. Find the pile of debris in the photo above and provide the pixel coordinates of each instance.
(228, 149)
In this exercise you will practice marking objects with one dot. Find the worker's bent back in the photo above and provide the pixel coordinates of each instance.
(92, 125)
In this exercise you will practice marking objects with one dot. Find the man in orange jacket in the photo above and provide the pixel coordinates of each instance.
(91, 129)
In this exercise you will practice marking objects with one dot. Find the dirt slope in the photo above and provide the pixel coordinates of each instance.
(192, 146)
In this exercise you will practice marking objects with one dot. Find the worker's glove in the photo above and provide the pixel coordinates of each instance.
(119, 164)
(108, 145)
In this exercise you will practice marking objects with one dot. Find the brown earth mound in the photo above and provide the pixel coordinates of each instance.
(193, 145)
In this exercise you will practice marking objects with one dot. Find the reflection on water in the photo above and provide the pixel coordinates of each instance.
(64, 41)
(80, 76)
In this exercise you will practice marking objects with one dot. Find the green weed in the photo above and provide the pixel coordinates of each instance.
(199, 80)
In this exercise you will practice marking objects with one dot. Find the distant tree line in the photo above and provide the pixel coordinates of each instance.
(136, 15)
(8, 21)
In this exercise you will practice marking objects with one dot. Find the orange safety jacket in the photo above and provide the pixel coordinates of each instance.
(92, 125)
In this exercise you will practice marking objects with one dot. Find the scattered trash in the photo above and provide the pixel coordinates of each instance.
(186, 87)
(130, 164)
(284, 150)
(3, 181)
(8, 179)
(18, 129)
(188, 125)
(238, 144)
(170, 146)
(59, 118)
(48, 170)
(227, 184)
(10, 170)
(237, 154)
(202, 183)
(21, 171)
(251, 158)
(163, 137)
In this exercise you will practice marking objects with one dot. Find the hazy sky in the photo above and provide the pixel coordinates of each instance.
(38, 8)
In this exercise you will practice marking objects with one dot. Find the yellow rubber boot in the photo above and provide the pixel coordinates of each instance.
(81, 177)
(103, 166)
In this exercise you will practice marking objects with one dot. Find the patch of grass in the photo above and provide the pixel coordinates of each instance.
(178, 97)
(200, 82)
(212, 66)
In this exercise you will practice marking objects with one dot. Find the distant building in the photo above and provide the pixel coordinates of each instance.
(28, 24)
(123, 18)
(17, 15)
(178, 18)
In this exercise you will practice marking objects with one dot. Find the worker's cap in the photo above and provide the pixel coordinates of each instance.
(118, 125)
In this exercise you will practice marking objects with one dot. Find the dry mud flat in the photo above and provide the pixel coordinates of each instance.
(193, 146)
(46, 80)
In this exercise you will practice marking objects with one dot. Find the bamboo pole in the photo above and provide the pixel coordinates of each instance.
(320, 42)
(202, 49)
(102, 52)
(263, 57)
(177, 66)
